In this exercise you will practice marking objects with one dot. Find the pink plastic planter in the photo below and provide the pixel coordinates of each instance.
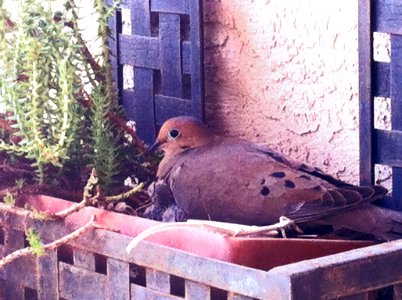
(259, 253)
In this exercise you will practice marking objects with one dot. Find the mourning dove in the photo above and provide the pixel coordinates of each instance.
(204, 176)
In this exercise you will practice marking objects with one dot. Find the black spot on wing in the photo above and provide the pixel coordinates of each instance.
(316, 172)
(275, 156)
(278, 158)
(278, 174)
(265, 191)
(289, 184)
(317, 188)
(303, 167)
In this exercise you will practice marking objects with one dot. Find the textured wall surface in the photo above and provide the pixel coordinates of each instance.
(285, 73)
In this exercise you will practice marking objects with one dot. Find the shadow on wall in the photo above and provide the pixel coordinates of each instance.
(223, 43)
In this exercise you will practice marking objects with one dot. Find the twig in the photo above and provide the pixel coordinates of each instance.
(236, 230)
(72, 209)
(51, 246)
(87, 197)
(284, 223)
(10, 169)
(125, 195)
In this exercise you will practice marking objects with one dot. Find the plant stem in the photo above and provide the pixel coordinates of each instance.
(127, 194)
(51, 246)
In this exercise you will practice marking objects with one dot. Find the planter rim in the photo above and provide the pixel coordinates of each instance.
(260, 253)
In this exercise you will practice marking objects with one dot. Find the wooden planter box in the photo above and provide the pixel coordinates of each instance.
(183, 263)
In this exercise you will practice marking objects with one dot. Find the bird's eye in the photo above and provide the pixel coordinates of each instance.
(173, 134)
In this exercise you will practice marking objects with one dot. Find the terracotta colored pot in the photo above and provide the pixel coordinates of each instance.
(259, 253)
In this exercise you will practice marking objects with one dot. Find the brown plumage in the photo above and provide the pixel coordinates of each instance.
(204, 176)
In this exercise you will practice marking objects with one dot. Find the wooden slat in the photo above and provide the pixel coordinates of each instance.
(196, 290)
(396, 81)
(197, 62)
(139, 104)
(387, 141)
(396, 112)
(232, 296)
(159, 281)
(361, 296)
(365, 93)
(143, 93)
(186, 57)
(396, 201)
(128, 101)
(139, 51)
(140, 292)
(143, 52)
(21, 272)
(347, 273)
(381, 79)
(171, 6)
(140, 17)
(387, 14)
(78, 283)
(84, 259)
(10, 290)
(14, 240)
(168, 107)
(118, 280)
(47, 270)
(170, 47)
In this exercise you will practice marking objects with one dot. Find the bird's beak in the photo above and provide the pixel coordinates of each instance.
(153, 148)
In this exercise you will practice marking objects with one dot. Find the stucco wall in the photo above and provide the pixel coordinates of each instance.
(285, 73)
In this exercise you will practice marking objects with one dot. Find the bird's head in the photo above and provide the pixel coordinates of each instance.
(181, 133)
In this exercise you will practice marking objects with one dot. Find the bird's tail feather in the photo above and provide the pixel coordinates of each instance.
(383, 223)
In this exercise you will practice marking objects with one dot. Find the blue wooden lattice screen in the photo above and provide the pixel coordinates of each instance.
(165, 50)
(381, 79)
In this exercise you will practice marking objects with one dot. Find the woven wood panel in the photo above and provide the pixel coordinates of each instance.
(164, 49)
(96, 266)
(381, 79)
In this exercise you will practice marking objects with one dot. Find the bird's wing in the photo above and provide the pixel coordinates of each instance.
(238, 181)
(299, 166)
(332, 195)
(332, 201)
